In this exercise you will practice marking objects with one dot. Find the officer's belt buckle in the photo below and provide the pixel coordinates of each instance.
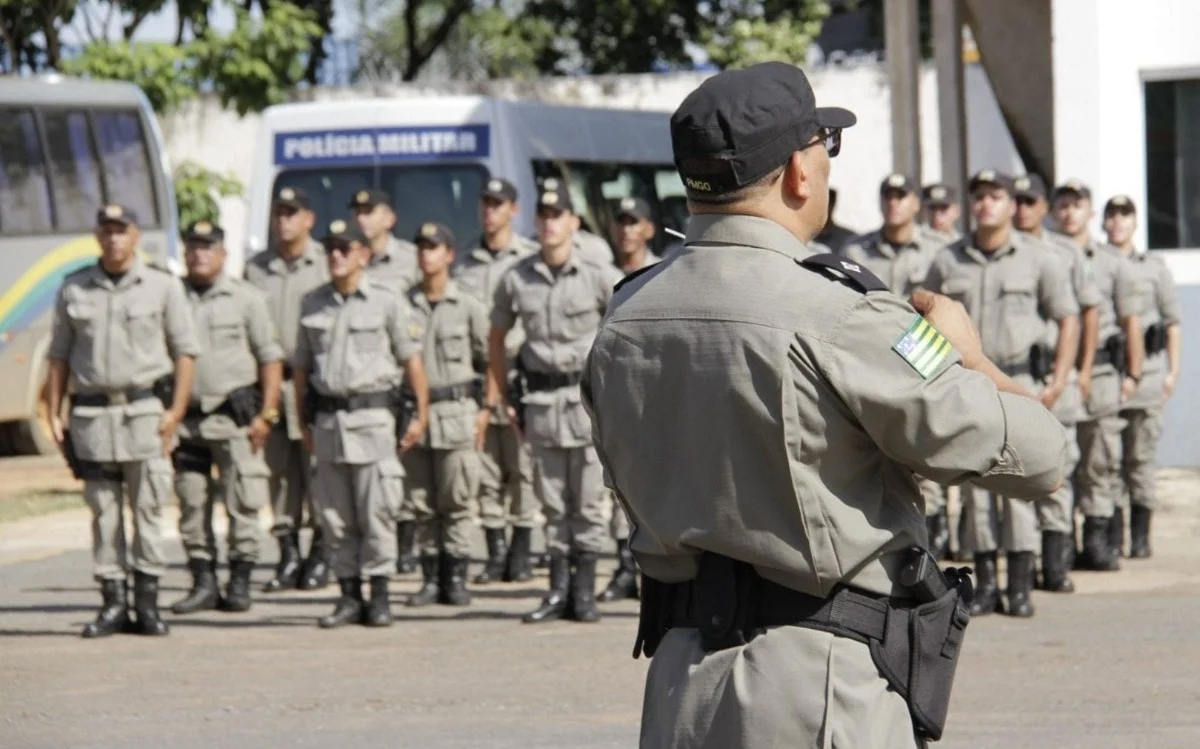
(118, 398)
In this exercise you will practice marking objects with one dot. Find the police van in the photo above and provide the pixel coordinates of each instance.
(434, 155)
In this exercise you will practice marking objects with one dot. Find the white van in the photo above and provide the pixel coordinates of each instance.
(433, 155)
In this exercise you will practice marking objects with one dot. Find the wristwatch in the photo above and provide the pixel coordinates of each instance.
(271, 416)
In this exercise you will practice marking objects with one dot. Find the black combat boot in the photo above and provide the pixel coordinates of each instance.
(987, 593)
(113, 615)
(1097, 550)
(1139, 532)
(315, 574)
(938, 527)
(349, 608)
(454, 581)
(145, 603)
(429, 583)
(583, 589)
(543, 560)
(554, 604)
(204, 595)
(237, 593)
(287, 572)
(406, 539)
(1116, 532)
(624, 583)
(379, 610)
(1020, 584)
(519, 566)
(497, 546)
(1054, 563)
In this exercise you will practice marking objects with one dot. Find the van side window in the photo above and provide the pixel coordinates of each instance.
(24, 192)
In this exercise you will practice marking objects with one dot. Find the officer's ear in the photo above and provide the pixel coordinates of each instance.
(797, 179)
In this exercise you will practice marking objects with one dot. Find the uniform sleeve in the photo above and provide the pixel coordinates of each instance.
(181, 333)
(406, 332)
(62, 335)
(302, 354)
(263, 340)
(1086, 290)
(1055, 295)
(936, 275)
(504, 311)
(951, 424)
(1125, 294)
(610, 276)
(478, 319)
(1167, 297)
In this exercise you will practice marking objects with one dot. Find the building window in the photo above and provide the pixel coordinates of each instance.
(1173, 164)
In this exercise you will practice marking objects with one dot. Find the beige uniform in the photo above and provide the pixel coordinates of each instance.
(285, 282)
(747, 406)
(1099, 483)
(117, 340)
(560, 312)
(236, 337)
(443, 472)
(593, 248)
(353, 348)
(1142, 413)
(1011, 294)
(396, 267)
(506, 476)
(903, 269)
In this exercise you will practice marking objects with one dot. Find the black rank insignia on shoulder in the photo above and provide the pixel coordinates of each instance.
(847, 272)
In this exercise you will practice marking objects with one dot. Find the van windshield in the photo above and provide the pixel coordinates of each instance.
(445, 193)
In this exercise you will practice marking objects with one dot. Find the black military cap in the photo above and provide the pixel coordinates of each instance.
(897, 182)
(369, 199)
(115, 213)
(500, 189)
(939, 194)
(554, 194)
(634, 208)
(292, 197)
(434, 234)
(1030, 186)
(203, 231)
(1073, 187)
(1119, 204)
(341, 233)
(741, 124)
(991, 177)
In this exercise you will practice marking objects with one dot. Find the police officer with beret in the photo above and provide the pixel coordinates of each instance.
(393, 260)
(234, 404)
(761, 411)
(122, 338)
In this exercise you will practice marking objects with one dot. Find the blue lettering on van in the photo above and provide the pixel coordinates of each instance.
(382, 144)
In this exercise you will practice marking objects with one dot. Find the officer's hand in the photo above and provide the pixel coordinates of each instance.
(56, 428)
(483, 420)
(1050, 395)
(257, 432)
(1129, 386)
(952, 321)
(166, 431)
(1085, 385)
(412, 436)
(306, 436)
(1168, 387)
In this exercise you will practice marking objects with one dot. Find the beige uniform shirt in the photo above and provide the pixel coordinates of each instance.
(749, 406)
(285, 282)
(593, 248)
(117, 338)
(1159, 303)
(396, 267)
(901, 268)
(456, 331)
(560, 312)
(352, 345)
(1114, 279)
(940, 238)
(1010, 293)
(479, 273)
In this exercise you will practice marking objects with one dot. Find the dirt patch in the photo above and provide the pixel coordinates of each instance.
(37, 475)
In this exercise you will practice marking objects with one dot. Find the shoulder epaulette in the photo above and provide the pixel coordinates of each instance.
(632, 276)
(840, 269)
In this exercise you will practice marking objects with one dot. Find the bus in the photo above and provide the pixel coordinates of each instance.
(67, 147)
(433, 156)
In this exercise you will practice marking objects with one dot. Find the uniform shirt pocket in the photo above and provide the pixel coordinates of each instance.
(144, 321)
(1019, 296)
(957, 289)
(366, 334)
(452, 343)
(227, 331)
(82, 315)
(582, 318)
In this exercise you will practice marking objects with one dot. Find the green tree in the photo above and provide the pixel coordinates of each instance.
(198, 189)
(740, 33)
(30, 31)
(398, 42)
(165, 72)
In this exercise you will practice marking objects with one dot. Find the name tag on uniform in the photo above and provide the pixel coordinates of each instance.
(923, 347)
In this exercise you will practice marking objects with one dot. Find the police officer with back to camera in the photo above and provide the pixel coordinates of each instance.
(559, 297)
(393, 260)
(1142, 412)
(357, 342)
(284, 274)
(761, 410)
(506, 477)
(234, 404)
(122, 338)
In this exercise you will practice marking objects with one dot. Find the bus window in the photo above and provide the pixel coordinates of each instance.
(446, 193)
(73, 170)
(24, 194)
(329, 191)
(126, 162)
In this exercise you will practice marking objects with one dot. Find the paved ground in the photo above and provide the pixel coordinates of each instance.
(1112, 666)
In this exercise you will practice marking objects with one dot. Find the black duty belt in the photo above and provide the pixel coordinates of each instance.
(452, 392)
(1103, 356)
(195, 412)
(119, 398)
(540, 381)
(358, 402)
(1016, 370)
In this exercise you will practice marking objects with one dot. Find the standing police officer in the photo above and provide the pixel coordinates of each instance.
(228, 421)
(559, 298)
(357, 341)
(122, 337)
(285, 274)
(506, 479)
(1013, 289)
(393, 261)
(761, 411)
(940, 206)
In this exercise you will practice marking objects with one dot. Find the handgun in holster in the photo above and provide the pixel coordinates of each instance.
(164, 389)
(1116, 347)
(1041, 362)
(1156, 338)
(244, 404)
(518, 388)
(404, 408)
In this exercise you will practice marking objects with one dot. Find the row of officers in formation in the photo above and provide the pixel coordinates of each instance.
(382, 390)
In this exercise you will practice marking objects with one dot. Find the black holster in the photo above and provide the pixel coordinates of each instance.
(192, 457)
(1156, 338)
(1041, 361)
(1115, 346)
(518, 388)
(244, 404)
(164, 390)
(404, 408)
(312, 403)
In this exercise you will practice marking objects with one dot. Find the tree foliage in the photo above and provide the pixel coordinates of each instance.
(163, 71)
(198, 189)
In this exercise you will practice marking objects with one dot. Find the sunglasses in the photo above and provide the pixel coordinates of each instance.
(830, 137)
